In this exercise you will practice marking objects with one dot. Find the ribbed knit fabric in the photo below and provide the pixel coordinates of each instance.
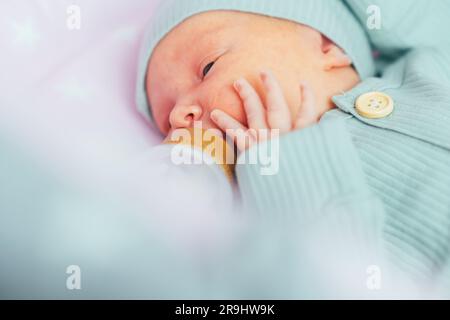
(401, 161)
(405, 24)
(330, 17)
(320, 178)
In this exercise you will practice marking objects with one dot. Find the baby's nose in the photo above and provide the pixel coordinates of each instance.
(184, 116)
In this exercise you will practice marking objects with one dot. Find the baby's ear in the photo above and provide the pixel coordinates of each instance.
(334, 57)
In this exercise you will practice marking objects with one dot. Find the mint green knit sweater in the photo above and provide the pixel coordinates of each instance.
(385, 180)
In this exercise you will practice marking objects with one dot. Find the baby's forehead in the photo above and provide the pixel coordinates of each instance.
(215, 18)
(201, 31)
(219, 21)
(195, 31)
(206, 23)
(214, 21)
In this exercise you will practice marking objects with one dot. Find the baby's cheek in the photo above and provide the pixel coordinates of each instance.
(229, 102)
(161, 116)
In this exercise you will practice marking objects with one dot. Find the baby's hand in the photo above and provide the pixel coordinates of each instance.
(264, 120)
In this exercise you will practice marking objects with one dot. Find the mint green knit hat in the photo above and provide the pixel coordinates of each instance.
(331, 17)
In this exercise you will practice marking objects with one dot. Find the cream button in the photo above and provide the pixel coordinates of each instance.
(374, 105)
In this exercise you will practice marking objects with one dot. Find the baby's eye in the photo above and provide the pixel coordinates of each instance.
(207, 68)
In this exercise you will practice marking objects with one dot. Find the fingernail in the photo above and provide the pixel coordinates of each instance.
(263, 75)
(214, 114)
(238, 84)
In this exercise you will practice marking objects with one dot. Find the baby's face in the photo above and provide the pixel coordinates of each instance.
(193, 68)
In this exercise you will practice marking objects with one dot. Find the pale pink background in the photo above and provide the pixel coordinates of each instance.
(67, 96)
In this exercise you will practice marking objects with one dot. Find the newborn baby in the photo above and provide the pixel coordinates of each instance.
(364, 157)
(237, 70)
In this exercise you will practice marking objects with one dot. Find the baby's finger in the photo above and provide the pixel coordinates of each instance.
(308, 113)
(232, 128)
(253, 106)
(278, 114)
